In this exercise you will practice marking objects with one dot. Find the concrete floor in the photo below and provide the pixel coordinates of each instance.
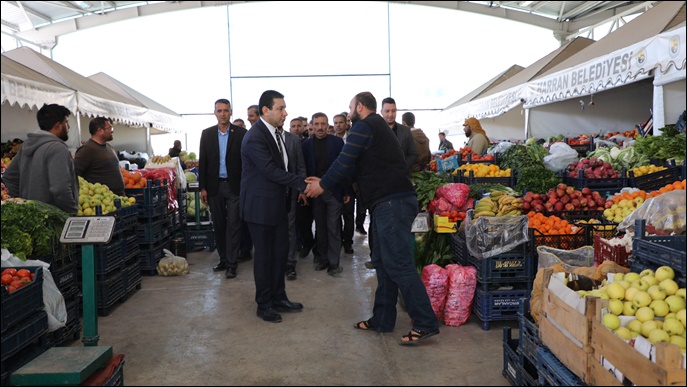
(201, 329)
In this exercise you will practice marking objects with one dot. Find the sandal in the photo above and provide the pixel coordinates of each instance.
(415, 336)
(366, 325)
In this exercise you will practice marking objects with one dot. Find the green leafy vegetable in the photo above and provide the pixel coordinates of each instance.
(670, 145)
(536, 179)
(31, 228)
(519, 156)
(426, 184)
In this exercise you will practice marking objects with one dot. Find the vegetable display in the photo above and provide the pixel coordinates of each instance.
(426, 184)
(30, 227)
(670, 145)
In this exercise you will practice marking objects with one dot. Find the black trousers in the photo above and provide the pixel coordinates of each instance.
(271, 245)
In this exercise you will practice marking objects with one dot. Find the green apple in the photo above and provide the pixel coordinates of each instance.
(670, 315)
(635, 326)
(615, 291)
(659, 324)
(664, 272)
(644, 314)
(673, 327)
(678, 340)
(668, 286)
(660, 308)
(659, 335)
(611, 321)
(647, 327)
(646, 272)
(681, 316)
(616, 307)
(650, 279)
(681, 292)
(624, 333)
(623, 283)
(618, 277)
(630, 293)
(656, 293)
(629, 309)
(642, 298)
(640, 284)
(676, 303)
(629, 277)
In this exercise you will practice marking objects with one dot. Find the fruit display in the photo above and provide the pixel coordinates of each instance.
(550, 225)
(676, 185)
(93, 195)
(592, 168)
(466, 154)
(482, 170)
(5, 192)
(582, 139)
(13, 279)
(498, 204)
(160, 159)
(632, 134)
(133, 179)
(646, 170)
(563, 198)
(652, 298)
(621, 205)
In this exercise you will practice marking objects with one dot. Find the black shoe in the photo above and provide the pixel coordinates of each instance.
(291, 273)
(287, 306)
(361, 230)
(245, 256)
(334, 270)
(368, 265)
(348, 249)
(304, 251)
(321, 266)
(231, 273)
(269, 315)
(220, 267)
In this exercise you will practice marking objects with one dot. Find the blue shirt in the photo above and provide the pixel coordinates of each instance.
(223, 140)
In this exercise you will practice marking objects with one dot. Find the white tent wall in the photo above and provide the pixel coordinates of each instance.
(674, 98)
(18, 121)
(617, 109)
(508, 126)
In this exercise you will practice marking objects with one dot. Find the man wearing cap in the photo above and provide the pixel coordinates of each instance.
(477, 138)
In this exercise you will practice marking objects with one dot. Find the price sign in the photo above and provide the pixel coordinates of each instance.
(88, 229)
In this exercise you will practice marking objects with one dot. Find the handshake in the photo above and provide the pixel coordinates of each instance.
(313, 189)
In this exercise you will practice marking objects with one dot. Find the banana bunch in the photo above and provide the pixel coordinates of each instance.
(485, 207)
(507, 204)
(160, 159)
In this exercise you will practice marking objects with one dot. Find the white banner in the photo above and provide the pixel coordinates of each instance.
(34, 94)
(119, 112)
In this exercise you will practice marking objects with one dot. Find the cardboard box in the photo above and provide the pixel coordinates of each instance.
(448, 164)
(442, 225)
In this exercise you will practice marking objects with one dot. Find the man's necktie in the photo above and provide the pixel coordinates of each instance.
(281, 148)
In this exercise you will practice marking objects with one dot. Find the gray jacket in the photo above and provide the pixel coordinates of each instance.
(43, 170)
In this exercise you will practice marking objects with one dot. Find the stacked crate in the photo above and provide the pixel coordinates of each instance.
(24, 324)
(153, 227)
(501, 280)
(112, 259)
(199, 233)
(651, 252)
(527, 345)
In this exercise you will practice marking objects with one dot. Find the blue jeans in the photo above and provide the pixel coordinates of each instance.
(392, 257)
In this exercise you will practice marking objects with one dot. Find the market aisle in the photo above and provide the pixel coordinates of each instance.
(201, 329)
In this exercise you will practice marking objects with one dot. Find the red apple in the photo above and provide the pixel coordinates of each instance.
(565, 199)
(569, 207)
(558, 207)
(608, 204)
(560, 193)
(570, 190)
(583, 202)
(586, 191)
(561, 187)
(600, 202)
(575, 203)
(526, 206)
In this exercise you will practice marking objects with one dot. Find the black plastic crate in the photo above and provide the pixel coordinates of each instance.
(606, 185)
(199, 239)
(605, 228)
(557, 241)
(130, 246)
(505, 181)
(31, 351)
(23, 302)
(554, 373)
(582, 149)
(23, 334)
(132, 274)
(117, 378)
(513, 266)
(459, 248)
(108, 257)
(529, 376)
(661, 250)
(654, 181)
(511, 362)
(72, 329)
(109, 292)
(149, 259)
(66, 279)
(528, 331)
(147, 196)
(152, 232)
(497, 305)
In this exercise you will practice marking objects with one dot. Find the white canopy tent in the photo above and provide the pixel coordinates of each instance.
(669, 90)
(495, 107)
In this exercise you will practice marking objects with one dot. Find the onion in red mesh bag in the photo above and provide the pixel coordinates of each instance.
(435, 279)
(456, 193)
(461, 291)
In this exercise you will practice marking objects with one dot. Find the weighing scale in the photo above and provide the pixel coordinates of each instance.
(73, 365)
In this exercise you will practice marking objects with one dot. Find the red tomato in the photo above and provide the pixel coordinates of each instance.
(17, 284)
(10, 271)
(11, 288)
(23, 273)
(6, 279)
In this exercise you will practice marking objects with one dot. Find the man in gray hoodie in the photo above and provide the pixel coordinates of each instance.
(43, 169)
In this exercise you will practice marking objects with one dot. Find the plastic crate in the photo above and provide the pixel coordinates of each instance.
(529, 376)
(661, 250)
(199, 239)
(65, 277)
(151, 232)
(496, 305)
(147, 196)
(528, 331)
(604, 227)
(23, 334)
(582, 149)
(132, 275)
(130, 247)
(606, 184)
(603, 251)
(554, 373)
(117, 378)
(557, 241)
(108, 257)
(109, 292)
(24, 301)
(149, 259)
(72, 329)
(505, 181)
(511, 361)
(513, 266)
(654, 181)
(31, 351)
(459, 248)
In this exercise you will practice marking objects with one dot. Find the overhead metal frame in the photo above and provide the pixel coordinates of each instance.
(41, 23)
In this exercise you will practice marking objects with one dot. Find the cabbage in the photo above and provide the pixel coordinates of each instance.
(191, 177)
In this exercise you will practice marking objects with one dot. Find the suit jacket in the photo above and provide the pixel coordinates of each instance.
(405, 138)
(334, 147)
(208, 162)
(264, 182)
(296, 160)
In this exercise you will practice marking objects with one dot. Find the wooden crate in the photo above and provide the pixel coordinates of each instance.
(666, 371)
(571, 323)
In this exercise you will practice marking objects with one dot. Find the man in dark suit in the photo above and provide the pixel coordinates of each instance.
(219, 180)
(320, 151)
(265, 201)
(297, 166)
(402, 132)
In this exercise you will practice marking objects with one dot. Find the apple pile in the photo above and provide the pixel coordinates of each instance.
(592, 169)
(563, 198)
(646, 296)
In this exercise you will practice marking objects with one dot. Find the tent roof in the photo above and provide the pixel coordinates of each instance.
(662, 17)
(124, 90)
(478, 92)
